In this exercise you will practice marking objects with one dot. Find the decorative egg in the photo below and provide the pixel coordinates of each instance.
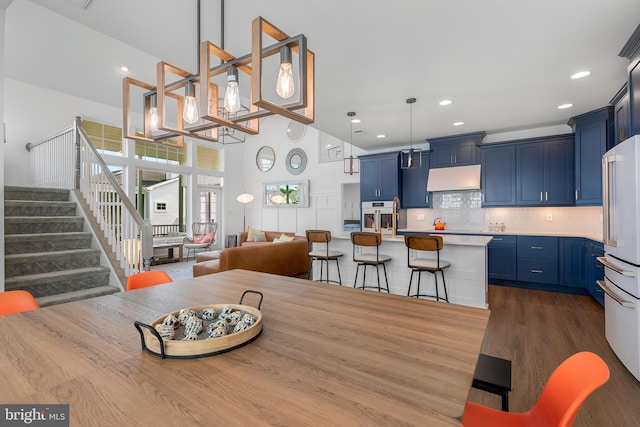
(171, 320)
(165, 331)
(218, 332)
(227, 309)
(190, 337)
(249, 319)
(240, 326)
(236, 315)
(193, 326)
(227, 317)
(216, 324)
(208, 314)
(184, 314)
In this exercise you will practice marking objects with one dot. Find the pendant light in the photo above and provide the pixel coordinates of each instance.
(153, 112)
(232, 95)
(190, 109)
(284, 85)
(413, 156)
(351, 164)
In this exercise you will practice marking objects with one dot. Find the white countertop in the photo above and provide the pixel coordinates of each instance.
(448, 239)
(592, 236)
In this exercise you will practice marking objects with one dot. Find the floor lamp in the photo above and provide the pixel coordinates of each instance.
(244, 198)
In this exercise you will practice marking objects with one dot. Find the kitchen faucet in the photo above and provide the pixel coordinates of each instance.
(395, 216)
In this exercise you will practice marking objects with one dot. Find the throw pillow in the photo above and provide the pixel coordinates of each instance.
(276, 240)
(251, 233)
(259, 237)
(204, 239)
(285, 238)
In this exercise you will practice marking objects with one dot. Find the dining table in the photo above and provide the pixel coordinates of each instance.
(328, 355)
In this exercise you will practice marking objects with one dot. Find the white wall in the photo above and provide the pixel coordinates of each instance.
(2, 145)
(33, 113)
(325, 182)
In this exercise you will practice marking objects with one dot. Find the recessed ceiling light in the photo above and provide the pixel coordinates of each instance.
(580, 74)
(564, 106)
(124, 69)
(381, 136)
(458, 123)
(445, 102)
(355, 120)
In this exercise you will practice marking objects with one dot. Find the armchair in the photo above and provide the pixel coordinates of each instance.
(203, 237)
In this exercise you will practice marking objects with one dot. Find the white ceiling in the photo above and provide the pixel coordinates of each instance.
(504, 63)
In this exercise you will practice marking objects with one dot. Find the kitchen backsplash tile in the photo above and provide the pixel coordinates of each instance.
(462, 210)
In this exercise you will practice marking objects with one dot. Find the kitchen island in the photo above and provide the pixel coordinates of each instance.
(466, 277)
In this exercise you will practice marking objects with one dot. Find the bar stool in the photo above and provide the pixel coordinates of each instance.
(369, 239)
(426, 242)
(323, 255)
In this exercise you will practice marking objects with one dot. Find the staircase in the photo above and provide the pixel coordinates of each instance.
(46, 250)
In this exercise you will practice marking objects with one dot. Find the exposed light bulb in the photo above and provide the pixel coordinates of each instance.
(190, 110)
(232, 94)
(284, 85)
(153, 113)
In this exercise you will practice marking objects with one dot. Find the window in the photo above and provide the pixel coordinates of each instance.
(161, 206)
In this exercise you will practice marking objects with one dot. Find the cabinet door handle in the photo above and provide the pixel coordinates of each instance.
(451, 158)
(455, 158)
(576, 194)
(541, 196)
(537, 247)
(546, 196)
(497, 238)
(537, 271)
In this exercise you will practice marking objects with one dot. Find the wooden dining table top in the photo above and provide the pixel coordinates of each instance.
(327, 355)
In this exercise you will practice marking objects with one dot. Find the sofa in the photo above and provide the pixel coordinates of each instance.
(285, 258)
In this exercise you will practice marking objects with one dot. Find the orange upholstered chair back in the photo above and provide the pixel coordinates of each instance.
(16, 302)
(147, 278)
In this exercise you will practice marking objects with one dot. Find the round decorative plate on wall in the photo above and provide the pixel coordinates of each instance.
(296, 161)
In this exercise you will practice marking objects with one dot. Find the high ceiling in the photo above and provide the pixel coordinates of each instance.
(505, 64)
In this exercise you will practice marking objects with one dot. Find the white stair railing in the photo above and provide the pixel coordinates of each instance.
(68, 159)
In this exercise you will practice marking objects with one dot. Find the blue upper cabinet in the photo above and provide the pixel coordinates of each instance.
(379, 176)
(498, 175)
(594, 135)
(545, 172)
(620, 104)
(456, 150)
(414, 184)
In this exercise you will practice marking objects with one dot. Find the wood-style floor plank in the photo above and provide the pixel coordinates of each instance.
(537, 330)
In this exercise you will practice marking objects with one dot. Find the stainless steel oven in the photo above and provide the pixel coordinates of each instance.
(377, 216)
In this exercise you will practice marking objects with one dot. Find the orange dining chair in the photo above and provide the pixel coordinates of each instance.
(147, 278)
(16, 302)
(563, 394)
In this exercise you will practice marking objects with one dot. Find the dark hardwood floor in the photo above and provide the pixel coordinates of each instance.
(537, 330)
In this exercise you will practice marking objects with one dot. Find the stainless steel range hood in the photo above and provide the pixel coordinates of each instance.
(454, 179)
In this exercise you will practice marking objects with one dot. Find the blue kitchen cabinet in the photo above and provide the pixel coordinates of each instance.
(596, 271)
(620, 104)
(575, 265)
(456, 150)
(414, 185)
(594, 135)
(498, 175)
(634, 97)
(379, 177)
(545, 172)
(537, 259)
(502, 257)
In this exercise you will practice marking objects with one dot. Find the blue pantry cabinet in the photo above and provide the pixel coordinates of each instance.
(594, 136)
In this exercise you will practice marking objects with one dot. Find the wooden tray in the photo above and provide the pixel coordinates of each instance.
(178, 349)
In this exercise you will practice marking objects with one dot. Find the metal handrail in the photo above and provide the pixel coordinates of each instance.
(31, 145)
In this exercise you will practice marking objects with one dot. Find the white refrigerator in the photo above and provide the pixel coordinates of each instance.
(621, 235)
